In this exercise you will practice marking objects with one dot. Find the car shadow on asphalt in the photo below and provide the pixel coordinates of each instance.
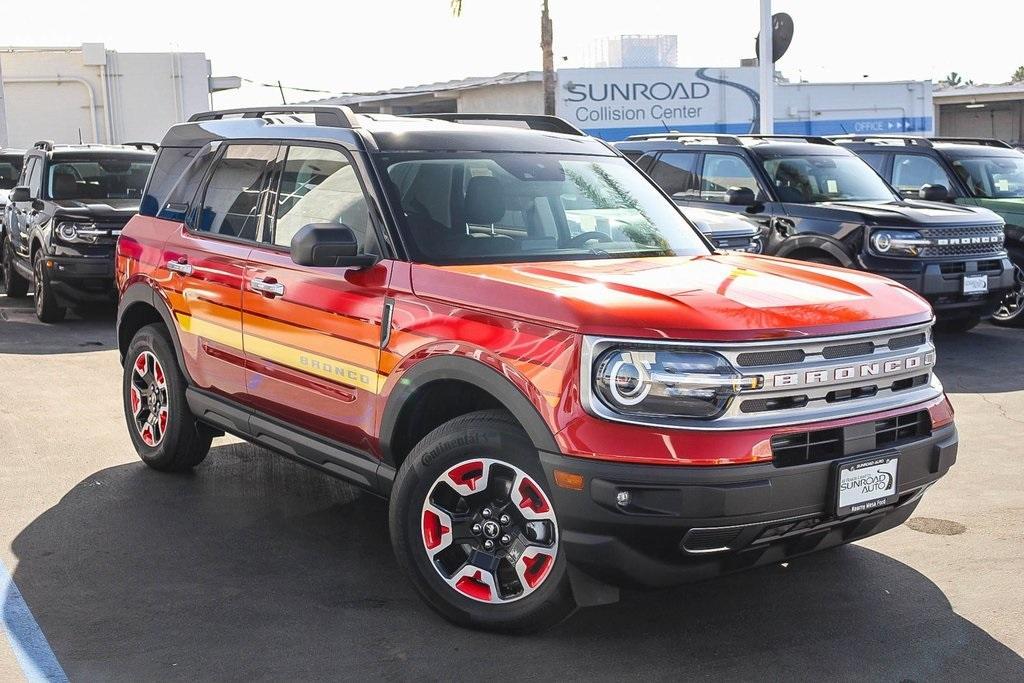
(85, 329)
(984, 360)
(254, 567)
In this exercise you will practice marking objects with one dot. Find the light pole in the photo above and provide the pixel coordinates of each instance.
(766, 70)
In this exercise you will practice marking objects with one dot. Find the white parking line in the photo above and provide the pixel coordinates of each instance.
(33, 652)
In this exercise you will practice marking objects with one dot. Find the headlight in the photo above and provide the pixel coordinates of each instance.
(756, 246)
(897, 242)
(667, 382)
(77, 233)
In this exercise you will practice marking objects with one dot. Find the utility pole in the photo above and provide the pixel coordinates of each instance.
(547, 49)
(766, 70)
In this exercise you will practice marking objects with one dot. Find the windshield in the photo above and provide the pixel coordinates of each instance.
(992, 177)
(10, 171)
(812, 179)
(494, 207)
(109, 178)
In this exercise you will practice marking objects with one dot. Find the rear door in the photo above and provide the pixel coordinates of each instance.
(312, 335)
(19, 213)
(205, 263)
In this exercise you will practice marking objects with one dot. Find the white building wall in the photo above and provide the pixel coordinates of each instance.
(67, 95)
(511, 98)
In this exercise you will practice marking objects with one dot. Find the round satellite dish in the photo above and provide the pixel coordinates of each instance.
(782, 36)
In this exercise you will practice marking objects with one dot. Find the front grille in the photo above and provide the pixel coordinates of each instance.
(706, 540)
(978, 240)
(801, 448)
(905, 342)
(848, 350)
(760, 358)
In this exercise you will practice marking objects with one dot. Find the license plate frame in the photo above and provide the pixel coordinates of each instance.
(865, 471)
(975, 284)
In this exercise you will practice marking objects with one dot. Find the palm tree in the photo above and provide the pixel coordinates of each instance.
(546, 48)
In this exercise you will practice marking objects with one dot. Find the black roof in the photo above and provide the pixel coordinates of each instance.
(383, 132)
(762, 145)
(136, 149)
(971, 146)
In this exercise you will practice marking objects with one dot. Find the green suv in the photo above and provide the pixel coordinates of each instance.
(971, 171)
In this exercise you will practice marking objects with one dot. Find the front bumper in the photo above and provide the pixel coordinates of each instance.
(690, 523)
(81, 278)
(941, 282)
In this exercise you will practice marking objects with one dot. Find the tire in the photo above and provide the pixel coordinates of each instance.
(166, 435)
(12, 284)
(48, 309)
(1011, 309)
(954, 325)
(527, 593)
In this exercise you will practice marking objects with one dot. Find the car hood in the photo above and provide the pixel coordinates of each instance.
(905, 213)
(98, 208)
(714, 297)
(713, 222)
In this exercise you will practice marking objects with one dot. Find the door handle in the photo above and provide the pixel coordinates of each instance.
(180, 266)
(268, 286)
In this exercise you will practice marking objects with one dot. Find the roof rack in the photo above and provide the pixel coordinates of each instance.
(812, 139)
(687, 137)
(909, 140)
(332, 116)
(44, 144)
(551, 124)
(984, 142)
(141, 146)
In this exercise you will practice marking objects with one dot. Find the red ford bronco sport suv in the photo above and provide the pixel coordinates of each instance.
(516, 337)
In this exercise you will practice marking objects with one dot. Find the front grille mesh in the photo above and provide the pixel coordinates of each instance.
(954, 234)
(753, 359)
(801, 448)
(848, 350)
(905, 342)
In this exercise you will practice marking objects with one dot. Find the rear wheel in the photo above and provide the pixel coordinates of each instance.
(1011, 309)
(475, 530)
(13, 284)
(48, 309)
(165, 433)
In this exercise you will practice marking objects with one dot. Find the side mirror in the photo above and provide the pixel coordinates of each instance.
(20, 194)
(740, 196)
(328, 245)
(933, 193)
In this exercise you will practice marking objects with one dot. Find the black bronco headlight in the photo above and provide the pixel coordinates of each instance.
(74, 232)
(895, 242)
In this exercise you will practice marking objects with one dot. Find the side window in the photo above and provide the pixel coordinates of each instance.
(320, 185)
(722, 171)
(875, 160)
(26, 172)
(232, 199)
(181, 197)
(911, 171)
(35, 178)
(167, 168)
(675, 172)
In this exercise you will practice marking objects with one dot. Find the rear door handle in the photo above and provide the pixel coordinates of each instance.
(182, 267)
(268, 286)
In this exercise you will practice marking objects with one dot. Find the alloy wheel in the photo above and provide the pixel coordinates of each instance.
(1013, 303)
(37, 287)
(489, 531)
(149, 403)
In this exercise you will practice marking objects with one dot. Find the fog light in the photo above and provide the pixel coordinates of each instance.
(623, 499)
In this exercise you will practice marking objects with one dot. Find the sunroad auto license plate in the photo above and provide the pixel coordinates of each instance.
(975, 284)
(866, 484)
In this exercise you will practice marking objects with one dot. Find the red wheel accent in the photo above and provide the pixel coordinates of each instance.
(136, 399)
(532, 497)
(147, 398)
(163, 420)
(158, 374)
(433, 530)
(467, 474)
(537, 568)
(140, 364)
(147, 435)
(474, 587)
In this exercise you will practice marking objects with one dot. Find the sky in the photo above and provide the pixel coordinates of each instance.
(345, 46)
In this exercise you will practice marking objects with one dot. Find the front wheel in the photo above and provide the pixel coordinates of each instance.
(13, 285)
(48, 309)
(1011, 309)
(475, 529)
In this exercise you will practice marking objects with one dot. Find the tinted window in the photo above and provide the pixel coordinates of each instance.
(722, 171)
(875, 161)
(10, 171)
(320, 185)
(500, 207)
(911, 171)
(170, 162)
(813, 178)
(182, 197)
(675, 172)
(232, 199)
(35, 177)
(115, 177)
(993, 177)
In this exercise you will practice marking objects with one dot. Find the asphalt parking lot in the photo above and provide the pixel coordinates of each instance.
(254, 567)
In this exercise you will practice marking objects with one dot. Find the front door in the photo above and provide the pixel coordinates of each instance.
(312, 335)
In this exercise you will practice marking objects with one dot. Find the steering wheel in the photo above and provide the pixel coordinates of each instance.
(584, 237)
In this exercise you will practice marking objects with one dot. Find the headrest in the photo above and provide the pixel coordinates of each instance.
(485, 200)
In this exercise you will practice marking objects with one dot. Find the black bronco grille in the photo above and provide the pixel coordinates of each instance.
(979, 240)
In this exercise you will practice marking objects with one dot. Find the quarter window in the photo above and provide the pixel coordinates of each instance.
(911, 171)
(320, 185)
(675, 172)
(723, 171)
(232, 200)
(35, 177)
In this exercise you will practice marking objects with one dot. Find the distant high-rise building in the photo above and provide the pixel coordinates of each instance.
(633, 51)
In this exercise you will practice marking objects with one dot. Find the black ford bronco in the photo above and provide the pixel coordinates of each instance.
(63, 218)
(819, 202)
